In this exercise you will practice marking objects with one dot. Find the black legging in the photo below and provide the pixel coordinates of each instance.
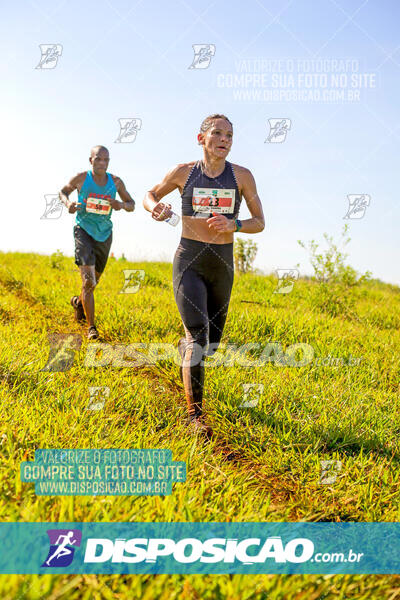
(202, 281)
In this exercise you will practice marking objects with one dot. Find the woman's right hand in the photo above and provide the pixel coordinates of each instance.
(161, 211)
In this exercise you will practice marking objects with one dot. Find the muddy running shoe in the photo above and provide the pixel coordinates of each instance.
(78, 309)
(197, 425)
(93, 334)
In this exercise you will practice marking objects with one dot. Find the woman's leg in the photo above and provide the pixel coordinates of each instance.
(219, 286)
(202, 281)
(191, 299)
(218, 297)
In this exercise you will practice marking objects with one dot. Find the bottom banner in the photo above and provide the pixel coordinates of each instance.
(220, 548)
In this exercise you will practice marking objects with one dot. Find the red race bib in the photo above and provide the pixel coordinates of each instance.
(216, 200)
(98, 206)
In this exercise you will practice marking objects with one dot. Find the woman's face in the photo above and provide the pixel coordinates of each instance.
(217, 140)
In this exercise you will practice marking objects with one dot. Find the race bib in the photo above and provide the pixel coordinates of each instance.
(207, 200)
(98, 206)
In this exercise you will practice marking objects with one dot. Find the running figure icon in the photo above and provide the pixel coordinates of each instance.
(62, 549)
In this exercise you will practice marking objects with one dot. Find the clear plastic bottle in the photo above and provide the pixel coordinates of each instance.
(173, 219)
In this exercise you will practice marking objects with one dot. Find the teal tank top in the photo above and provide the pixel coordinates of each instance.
(95, 215)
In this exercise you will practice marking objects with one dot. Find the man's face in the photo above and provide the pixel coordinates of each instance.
(99, 160)
(217, 140)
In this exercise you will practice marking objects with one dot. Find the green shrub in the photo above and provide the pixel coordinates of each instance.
(56, 260)
(336, 279)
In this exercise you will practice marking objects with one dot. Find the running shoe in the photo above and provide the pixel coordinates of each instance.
(93, 334)
(197, 425)
(78, 309)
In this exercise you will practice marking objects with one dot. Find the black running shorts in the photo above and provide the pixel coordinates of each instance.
(90, 252)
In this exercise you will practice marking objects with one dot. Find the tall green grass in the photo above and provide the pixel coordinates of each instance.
(263, 464)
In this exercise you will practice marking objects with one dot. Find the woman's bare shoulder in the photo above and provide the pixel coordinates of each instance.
(182, 171)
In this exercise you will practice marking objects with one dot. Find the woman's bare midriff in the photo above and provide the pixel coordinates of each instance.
(198, 229)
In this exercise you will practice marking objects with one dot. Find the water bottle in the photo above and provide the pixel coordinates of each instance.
(173, 219)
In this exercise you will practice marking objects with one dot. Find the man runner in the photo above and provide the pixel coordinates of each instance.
(93, 227)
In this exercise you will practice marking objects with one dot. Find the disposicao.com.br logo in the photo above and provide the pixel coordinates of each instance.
(190, 550)
(164, 552)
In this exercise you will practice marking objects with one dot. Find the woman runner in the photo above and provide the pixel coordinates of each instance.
(211, 190)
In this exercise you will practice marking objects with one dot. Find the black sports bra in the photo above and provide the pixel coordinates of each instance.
(203, 195)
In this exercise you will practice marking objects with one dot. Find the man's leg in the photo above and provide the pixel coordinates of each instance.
(101, 252)
(90, 279)
(89, 282)
(98, 275)
(84, 257)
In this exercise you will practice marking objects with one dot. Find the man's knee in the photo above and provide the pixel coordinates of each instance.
(88, 282)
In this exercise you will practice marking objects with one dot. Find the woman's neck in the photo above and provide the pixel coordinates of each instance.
(213, 166)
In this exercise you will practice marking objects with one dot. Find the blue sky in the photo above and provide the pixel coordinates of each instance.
(125, 59)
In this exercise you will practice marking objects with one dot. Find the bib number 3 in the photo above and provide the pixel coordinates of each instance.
(220, 201)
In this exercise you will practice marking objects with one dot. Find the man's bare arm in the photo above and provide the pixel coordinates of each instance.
(128, 202)
(74, 184)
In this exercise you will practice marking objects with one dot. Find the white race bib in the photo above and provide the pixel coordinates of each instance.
(207, 200)
(98, 206)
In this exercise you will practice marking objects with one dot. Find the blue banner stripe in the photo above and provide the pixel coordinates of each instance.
(205, 548)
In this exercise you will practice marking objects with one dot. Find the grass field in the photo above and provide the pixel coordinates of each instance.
(264, 462)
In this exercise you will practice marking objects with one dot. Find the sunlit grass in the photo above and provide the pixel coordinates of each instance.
(264, 463)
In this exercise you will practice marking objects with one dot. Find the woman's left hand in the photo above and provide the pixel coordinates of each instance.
(221, 223)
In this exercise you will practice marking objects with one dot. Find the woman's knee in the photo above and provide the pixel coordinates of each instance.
(197, 335)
